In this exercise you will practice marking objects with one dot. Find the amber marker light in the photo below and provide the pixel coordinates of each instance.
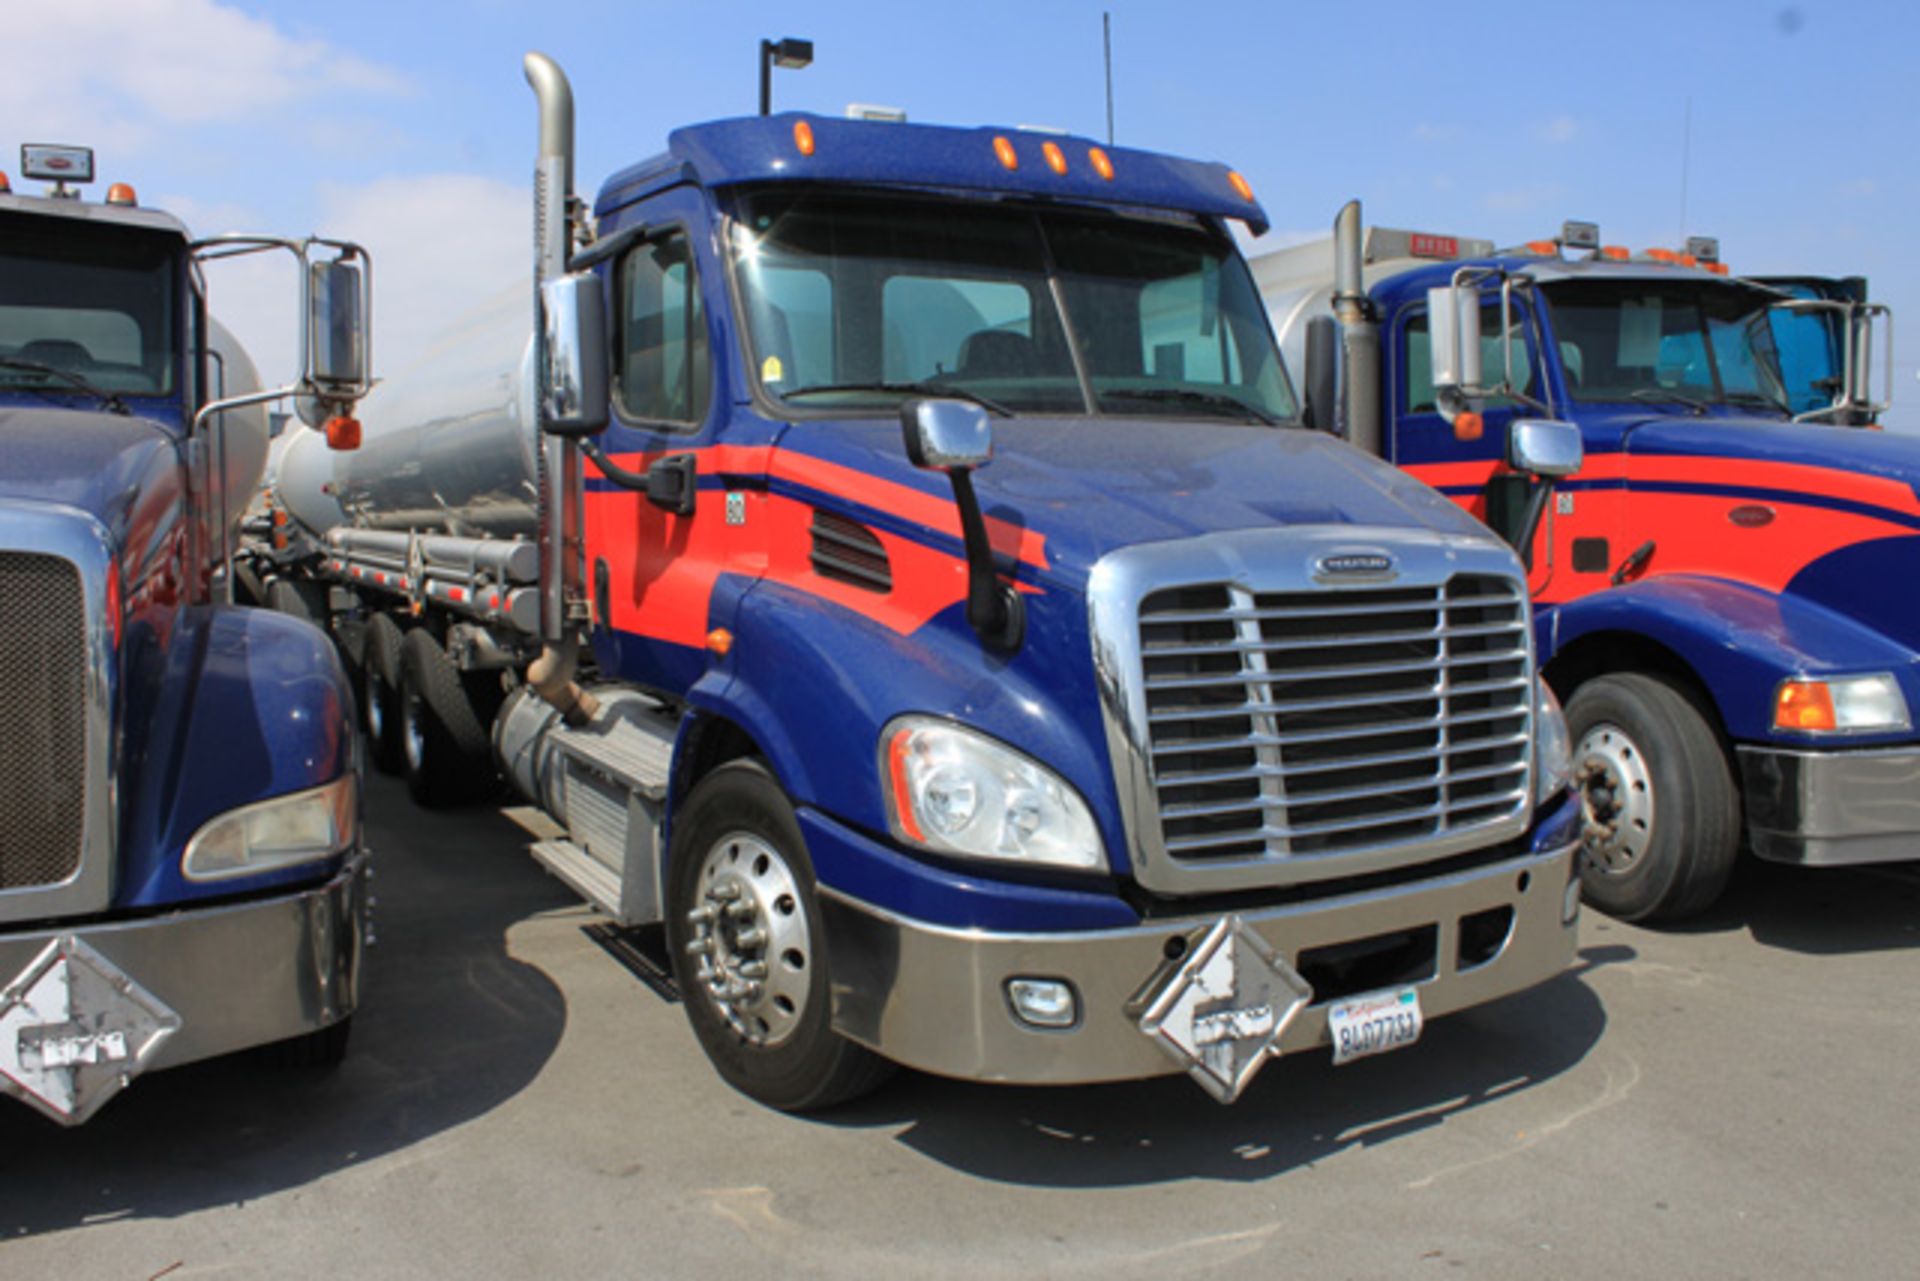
(121, 193)
(1056, 158)
(1468, 425)
(343, 433)
(1003, 148)
(1241, 187)
(1102, 164)
(1804, 705)
(1545, 248)
(803, 137)
(6, 187)
(720, 642)
(1615, 253)
(902, 793)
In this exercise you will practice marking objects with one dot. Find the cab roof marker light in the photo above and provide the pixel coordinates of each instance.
(1616, 253)
(803, 137)
(5, 186)
(1580, 235)
(1101, 162)
(1241, 187)
(1663, 255)
(1544, 248)
(1003, 148)
(1056, 158)
(121, 193)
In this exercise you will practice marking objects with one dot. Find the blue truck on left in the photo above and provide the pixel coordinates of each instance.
(182, 870)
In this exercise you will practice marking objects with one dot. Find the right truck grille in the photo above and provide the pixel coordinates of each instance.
(43, 673)
(1301, 725)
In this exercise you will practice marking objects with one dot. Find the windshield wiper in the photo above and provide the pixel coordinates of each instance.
(1759, 398)
(944, 390)
(1193, 396)
(1661, 396)
(107, 398)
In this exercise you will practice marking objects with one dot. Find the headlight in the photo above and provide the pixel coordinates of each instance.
(1841, 705)
(287, 830)
(953, 791)
(1552, 748)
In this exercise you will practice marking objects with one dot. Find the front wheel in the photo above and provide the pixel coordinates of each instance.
(1661, 813)
(748, 950)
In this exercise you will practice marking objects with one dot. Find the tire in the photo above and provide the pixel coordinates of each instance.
(445, 747)
(738, 865)
(380, 693)
(298, 598)
(1661, 810)
(326, 1048)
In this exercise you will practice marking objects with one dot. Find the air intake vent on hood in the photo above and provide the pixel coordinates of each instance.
(849, 552)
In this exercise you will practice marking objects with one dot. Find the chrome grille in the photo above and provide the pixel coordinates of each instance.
(43, 671)
(1308, 724)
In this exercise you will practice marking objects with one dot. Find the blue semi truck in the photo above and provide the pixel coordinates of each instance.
(1717, 584)
(181, 866)
(898, 563)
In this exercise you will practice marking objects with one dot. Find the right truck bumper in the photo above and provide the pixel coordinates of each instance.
(937, 998)
(1832, 808)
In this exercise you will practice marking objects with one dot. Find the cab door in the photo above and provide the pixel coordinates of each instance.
(654, 562)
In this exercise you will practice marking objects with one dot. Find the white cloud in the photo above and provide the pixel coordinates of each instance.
(116, 73)
(1559, 131)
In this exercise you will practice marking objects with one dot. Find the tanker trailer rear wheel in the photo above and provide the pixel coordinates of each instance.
(748, 948)
(380, 692)
(1661, 813)
(446, 749)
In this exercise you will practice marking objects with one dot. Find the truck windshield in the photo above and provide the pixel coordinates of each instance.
(93, 302)
(1659, 343)
(855, 301)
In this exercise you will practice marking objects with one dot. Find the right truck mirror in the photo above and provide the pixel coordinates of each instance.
(1544, 447)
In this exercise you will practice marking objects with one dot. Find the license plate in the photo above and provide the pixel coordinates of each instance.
(1374, 1023)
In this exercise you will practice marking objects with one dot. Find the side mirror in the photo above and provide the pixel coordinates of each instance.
(1323, 382)
(1453, 313)
(336, 327)
(574, 328)
(1544, 447)
(947, 435)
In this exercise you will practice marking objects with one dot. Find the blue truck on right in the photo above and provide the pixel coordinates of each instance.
(1718, 588)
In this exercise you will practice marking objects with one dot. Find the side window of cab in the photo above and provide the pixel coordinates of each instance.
(1416, 385)
(664, 368)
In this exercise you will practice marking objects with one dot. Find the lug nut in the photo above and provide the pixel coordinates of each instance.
(699, 947)
(753, 969)
(750, 939)
(743, 911)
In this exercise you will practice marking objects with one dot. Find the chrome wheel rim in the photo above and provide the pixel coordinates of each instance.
(1616, 799)
(376, 708)
(414, 733)
(747, 933)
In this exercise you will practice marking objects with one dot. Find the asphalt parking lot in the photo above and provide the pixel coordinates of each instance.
(1732, 1099)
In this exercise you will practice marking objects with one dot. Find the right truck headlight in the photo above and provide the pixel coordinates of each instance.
(1552, 746)
(1869, 704)
(304, 827)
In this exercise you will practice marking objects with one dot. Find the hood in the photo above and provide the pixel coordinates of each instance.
(1090, 485)
(1769, 440)
(96, 462)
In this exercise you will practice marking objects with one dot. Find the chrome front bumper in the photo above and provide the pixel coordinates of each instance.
(221, 978)
(936, 999)
(1832, 808)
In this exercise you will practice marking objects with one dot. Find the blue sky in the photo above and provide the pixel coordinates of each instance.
(406, 123)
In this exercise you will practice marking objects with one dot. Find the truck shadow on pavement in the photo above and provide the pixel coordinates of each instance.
(449, 1027)
(1299, 1110)
(1819, 911)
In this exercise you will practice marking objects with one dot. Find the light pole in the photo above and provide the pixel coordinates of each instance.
(785, 52)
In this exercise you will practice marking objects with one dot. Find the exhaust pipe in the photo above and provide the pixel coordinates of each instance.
(551, 674)
(1360, 333)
